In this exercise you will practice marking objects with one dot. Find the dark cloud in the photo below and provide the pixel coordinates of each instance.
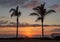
(55, 30)
(20, 24)
(31, 4)
(3, 22)
(13, 23)
(7, 2)
(56, 7)
(2, 17)
(11, 2)
(22, 3)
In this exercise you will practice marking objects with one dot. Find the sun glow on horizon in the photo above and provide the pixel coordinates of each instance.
(29, 32)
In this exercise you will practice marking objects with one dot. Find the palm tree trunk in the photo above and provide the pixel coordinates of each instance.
(17, 28)
(42, 28)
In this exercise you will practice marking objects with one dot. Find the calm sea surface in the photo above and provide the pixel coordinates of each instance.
(28, 31)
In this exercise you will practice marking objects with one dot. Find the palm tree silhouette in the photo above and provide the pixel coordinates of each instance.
(41, 12)
(17, 14)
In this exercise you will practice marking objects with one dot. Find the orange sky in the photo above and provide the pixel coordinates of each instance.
(27, 31)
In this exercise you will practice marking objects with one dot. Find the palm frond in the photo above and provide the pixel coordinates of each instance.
(50, 11)
(34, 14)
(39, 18)
(11, 10)
(19, 13)
(13, 14)
(37, 9)
(42, 5)
(17, 8)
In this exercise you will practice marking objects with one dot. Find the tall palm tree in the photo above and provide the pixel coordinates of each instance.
(41, 12)
(17, 14)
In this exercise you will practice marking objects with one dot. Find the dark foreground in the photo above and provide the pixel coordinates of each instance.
(28, 40)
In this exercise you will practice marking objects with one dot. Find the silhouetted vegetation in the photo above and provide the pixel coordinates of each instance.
(17, 14)
(41, 12)
(26, 38)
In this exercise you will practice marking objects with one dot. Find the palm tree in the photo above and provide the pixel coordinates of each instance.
(41, 12)
(17, 14)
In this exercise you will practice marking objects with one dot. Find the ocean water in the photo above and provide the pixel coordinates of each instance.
(28, 31)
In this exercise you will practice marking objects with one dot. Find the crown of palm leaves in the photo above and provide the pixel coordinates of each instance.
(41, 11)
(15, 12)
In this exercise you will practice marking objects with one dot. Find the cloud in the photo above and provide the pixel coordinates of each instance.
(31, 3)
(55, 30)
(7, 2)
(22, 3)
(56, 7)
(13, 23)
(3, 22)
(2, 17)
(11, 2)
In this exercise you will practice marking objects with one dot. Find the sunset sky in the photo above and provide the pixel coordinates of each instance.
(26, 6)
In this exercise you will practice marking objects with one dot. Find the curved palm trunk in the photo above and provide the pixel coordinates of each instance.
(17, 28)
(42, 28)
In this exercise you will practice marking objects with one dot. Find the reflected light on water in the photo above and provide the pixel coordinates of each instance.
(27, 31)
